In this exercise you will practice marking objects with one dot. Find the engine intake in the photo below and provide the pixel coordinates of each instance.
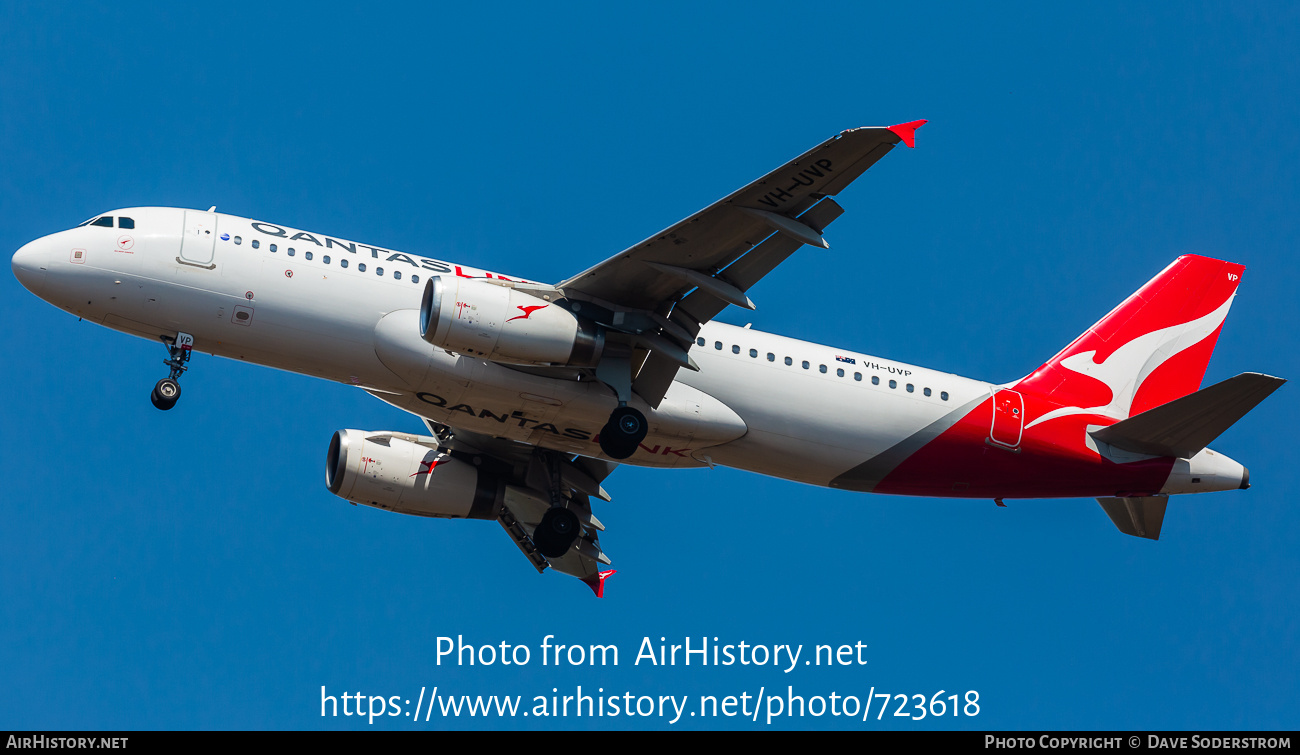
(410, 475)
(505, 325)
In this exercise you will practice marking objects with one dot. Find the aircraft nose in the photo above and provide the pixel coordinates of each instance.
(29, 267)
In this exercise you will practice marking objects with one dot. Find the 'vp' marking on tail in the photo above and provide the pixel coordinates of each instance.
(1130, 365)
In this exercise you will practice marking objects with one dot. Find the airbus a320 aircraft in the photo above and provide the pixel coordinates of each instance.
(533, 392)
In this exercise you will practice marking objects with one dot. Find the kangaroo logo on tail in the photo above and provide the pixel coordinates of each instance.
(1130, 365)
(1151, 349)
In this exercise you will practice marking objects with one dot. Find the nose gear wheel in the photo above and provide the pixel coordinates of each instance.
(167, 392)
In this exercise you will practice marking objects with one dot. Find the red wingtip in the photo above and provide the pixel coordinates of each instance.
(597, 582)
(907, 131)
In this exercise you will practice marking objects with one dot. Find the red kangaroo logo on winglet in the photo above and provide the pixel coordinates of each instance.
(527, 312)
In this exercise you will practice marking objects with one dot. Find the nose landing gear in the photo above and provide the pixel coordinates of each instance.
(167, 392)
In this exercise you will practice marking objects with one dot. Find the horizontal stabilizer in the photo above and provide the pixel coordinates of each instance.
(1139, 517)
(1185, 426)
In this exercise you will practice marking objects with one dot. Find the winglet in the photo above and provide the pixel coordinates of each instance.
(907, 131)
(597, 582)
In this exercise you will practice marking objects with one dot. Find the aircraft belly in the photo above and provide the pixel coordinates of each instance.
(571, 428)
(486, 397)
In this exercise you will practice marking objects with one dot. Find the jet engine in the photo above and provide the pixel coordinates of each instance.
(503, 324)
(410, 475)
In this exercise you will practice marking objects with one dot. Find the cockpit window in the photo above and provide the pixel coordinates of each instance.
(104, 222)
(126, 222)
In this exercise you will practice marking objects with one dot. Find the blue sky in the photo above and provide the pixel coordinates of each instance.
(190, 570)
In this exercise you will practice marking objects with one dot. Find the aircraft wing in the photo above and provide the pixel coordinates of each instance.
(661, 290)
(532, 474)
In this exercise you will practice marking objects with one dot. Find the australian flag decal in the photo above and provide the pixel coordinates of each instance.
(849, 360)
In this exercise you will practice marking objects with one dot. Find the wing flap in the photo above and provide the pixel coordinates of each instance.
(525, 501)
(700, 306)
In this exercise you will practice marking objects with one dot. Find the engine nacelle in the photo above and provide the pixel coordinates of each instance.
(505, 325)
(409, 475)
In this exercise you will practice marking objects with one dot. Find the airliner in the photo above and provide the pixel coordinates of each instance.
(532, 392)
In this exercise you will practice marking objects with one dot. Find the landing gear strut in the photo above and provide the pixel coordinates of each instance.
(554, 535)
(626, 427)
(168, 391)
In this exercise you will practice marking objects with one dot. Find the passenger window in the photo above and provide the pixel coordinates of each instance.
(238, 240)
(944, 395)
(717, 345)
(379, 271)
(821, 368)
(893, 383)
(290, 251)
(272, 247)
(307, 255)
(753, 353)
(325, 259)
(771, 357)
(875, 380)
(125, 223)
(788, 361)
(699, 342)
(911, 388)
(735, 349)
(256, 243)
(361, 266)
(857, 376)
(415, 279)
(805, 364)
(343, 262)
(104, 222)
(397, 274)
(839, 371)
(926, 391)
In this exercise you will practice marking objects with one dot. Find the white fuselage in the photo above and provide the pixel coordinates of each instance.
(283, 298)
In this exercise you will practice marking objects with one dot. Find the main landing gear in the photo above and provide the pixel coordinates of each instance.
(556, 532)
(626, 427)
(168, 390)
(625, 430)
(560, 526)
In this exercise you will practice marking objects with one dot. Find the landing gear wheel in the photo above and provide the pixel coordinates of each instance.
(167, 391)
(625, 429)
(165, 394)
(556, 532)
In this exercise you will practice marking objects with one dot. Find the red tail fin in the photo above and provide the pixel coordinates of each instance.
(1148, 351)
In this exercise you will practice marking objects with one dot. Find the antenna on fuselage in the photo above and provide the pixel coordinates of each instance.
(213, 208)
